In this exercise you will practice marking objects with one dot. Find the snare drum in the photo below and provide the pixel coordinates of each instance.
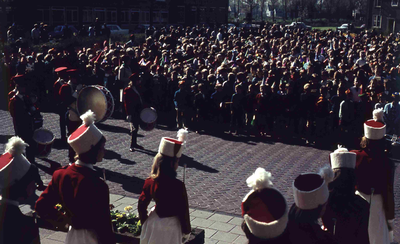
(148, 119)
(44, 139)
(98, 99)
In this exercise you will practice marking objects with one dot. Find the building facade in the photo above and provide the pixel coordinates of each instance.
(127, 14)
(384, 15)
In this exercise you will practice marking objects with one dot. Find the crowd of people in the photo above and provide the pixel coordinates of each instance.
(271, 81)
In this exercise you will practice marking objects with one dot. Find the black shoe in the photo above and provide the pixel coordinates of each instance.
(131, 149)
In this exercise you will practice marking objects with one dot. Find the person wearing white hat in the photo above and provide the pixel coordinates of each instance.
(77, 187)
(17, 182)
(265, 211)
(375, 179)
(168, 222)
(346, 214)
(310, 191)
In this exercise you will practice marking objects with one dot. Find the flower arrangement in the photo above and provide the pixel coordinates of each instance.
(125, 221)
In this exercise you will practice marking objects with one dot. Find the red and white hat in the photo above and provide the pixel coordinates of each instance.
(342, 158)
(87, 135)
(13, 164)
(264, 208)
(375, 129)
(173, 147)
(311, 190)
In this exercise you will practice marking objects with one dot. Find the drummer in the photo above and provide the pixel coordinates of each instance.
(60, 110)
(133, 105)
(68, 95)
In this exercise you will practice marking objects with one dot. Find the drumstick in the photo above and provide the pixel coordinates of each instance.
(334, 226)
(104, 174)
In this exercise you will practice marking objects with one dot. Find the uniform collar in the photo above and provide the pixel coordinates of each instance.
(80, 163)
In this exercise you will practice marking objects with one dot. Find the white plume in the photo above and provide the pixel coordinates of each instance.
(378, 115)
(88, 118)
(326, 173)
(16, 146)
(182, 135)
(341, 149)
(260, 179)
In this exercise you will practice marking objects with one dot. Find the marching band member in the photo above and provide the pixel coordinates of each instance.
(77, 187)
(68, 95)
(311, 195)
(265, 211)
(17, 183)
(168, 222)
(375, 177)
(61, 110)
(133, 104)
(346, 214)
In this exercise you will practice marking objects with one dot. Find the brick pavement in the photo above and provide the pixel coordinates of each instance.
(217, 166)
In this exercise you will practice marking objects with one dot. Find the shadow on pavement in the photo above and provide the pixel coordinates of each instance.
(112, 128)
(4, 138)
(190, 163)
(49, 170)
(129, 183)
(145, 151)
(113, 155)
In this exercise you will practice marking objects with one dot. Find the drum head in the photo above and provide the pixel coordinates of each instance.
(43, 136)
(92, 98)
(148, 115)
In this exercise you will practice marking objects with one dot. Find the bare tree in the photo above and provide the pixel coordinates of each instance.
(262, 8)
(250, 4)
(273, 4)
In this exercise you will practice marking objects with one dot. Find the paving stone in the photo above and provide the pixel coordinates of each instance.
(128, 200)
(204, 223)
(223, 236)
(237, 230)
(114, 198)
(58, 236)
(209, 232)
(241, 240)
(220, 217)
(222, 226)
(236, 221)
(201, 214)
(209, 241)
(50, 241)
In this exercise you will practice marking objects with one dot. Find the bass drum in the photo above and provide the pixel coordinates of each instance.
(148, 119)
(98, 99)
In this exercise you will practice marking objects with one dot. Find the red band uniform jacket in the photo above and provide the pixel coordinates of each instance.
(85, 198)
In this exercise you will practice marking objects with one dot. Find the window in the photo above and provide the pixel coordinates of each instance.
(58, 15)
(164, 17)
(124, 16)
(72, 15)
(144, 17)
(111, 15)
(377, 3)
(202, 15)
(135, 16)
(181, 14)
(395, 3)
(87, 15)
(100, 13)
(377, 21)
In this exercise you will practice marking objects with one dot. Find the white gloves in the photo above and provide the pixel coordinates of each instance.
(185, 238)
(129, 118)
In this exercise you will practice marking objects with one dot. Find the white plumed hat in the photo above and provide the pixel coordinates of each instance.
(311, 190)
(173, 147)
(13, 164)
(87, 135)
(375, 129)
(342, 158)
(264, 208)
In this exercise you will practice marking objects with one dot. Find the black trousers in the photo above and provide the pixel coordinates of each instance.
(134, 129)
